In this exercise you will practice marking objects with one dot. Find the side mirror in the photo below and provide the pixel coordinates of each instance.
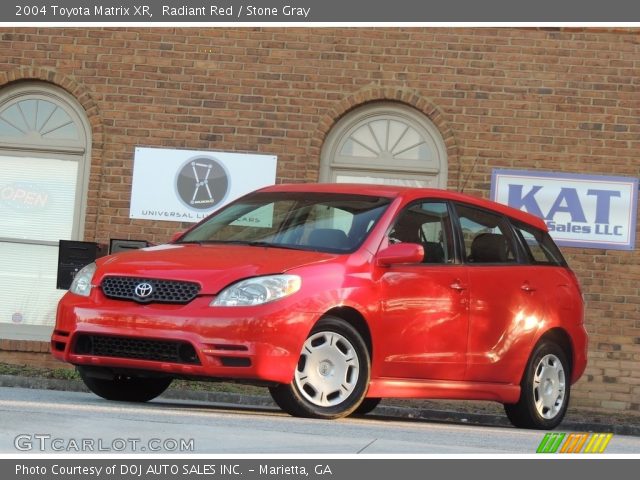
(400, 253)
(176, 236)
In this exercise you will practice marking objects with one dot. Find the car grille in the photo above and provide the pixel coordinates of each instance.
(162, 291)
(138, 348)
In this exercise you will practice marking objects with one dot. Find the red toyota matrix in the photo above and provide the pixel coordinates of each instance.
(335, 296)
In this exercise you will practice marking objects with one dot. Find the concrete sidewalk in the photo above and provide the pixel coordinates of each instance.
(388, 411)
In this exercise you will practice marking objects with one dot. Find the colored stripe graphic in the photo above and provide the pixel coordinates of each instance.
(606, 442)
(569, 443)
(573, 443)
(550, 443)
(582, 441)
(598, 443)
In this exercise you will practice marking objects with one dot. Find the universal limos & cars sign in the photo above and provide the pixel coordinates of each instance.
(187, 185)
(586, 211)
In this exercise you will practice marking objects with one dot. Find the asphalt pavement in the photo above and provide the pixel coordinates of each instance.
(47, 421)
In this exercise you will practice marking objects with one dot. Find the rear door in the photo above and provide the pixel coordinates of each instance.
(506, 296)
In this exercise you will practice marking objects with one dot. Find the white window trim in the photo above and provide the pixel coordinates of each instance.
(331, 163)
(61, 149)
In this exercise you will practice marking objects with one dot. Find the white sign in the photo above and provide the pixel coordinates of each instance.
(260, 217)
(187, 185)
(580, 210)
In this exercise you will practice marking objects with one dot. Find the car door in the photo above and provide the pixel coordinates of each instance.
(424, 305)
(506, 297)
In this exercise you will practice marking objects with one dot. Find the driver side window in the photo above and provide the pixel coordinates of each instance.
(427, 224)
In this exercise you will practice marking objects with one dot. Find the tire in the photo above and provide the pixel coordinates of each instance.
(332, 375)
(367, 406)
(545, 389)
(124, 388)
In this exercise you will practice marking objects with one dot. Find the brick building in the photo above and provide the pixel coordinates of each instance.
(564, 100)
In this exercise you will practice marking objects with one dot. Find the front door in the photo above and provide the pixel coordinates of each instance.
(424, 306)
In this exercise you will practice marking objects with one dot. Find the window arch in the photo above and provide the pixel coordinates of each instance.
(387, 143)
(45, 141)
(37, 118)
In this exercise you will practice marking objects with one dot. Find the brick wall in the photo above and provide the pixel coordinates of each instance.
(25, 352)
(553, 99)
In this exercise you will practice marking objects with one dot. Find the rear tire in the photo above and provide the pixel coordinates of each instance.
(545, 389)
(124, 388)
(332, 375)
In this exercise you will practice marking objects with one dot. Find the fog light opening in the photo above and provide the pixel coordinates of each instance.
(187, 353)
(84, 345)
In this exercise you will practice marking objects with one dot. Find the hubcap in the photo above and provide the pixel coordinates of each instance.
(549, 386)
(328, 369)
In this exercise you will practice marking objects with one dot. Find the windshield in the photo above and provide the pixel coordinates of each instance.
(324, 222)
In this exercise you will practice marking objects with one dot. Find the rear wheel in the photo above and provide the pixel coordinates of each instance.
(545, 390)
(125, 388)
(332, 374)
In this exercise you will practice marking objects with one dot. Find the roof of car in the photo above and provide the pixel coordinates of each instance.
(409, 193)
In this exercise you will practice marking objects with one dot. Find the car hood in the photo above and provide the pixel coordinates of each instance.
(214, 266)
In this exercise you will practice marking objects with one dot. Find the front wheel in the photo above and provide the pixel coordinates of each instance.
(367, 406)
(124, 388)
(332, 374)
(545, 390)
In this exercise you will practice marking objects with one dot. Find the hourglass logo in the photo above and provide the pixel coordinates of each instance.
(202, 183)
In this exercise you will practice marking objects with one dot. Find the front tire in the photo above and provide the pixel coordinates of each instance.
(124, 388)
(332, 375)
(545, 390)
(367, 406)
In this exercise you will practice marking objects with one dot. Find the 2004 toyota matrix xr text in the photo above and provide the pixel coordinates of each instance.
(335, 296)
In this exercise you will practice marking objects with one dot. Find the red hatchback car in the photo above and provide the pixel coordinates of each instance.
(335, 296)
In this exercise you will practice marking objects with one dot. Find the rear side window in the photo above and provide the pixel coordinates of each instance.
(539, 246)
(486, 236)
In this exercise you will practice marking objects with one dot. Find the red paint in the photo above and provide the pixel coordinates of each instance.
(441, 331)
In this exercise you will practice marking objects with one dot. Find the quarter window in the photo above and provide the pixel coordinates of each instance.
(539, 247)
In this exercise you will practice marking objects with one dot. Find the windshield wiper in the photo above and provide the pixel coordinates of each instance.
(251, 243)
(260, 243)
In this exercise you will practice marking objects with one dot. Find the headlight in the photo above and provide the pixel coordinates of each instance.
(81, 284)
(258, 290)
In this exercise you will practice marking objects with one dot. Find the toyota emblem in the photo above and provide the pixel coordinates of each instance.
(143, 290)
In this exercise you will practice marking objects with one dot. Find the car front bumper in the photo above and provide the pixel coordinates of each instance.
(259, 343)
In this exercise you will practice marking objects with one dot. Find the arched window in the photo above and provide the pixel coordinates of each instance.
(45, 140)
(387, 143)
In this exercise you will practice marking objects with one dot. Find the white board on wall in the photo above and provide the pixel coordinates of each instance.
(588, 211)
(188, 185)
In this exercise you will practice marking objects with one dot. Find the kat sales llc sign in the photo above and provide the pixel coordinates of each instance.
(580, 210)
(186, 185)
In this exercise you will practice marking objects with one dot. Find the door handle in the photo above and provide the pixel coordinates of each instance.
(457, 285)
(526, 287)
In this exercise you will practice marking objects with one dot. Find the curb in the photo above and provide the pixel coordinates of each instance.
(381, 412)
(38, 383)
